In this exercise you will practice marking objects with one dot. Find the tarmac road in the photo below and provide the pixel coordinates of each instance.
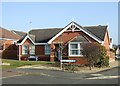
(38, 76)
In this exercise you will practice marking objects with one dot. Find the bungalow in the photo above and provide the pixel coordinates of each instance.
(46, 44)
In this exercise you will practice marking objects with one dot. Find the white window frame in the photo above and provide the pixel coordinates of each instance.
(47, 49)
(78, 44)
(32, 49)
(23, 50)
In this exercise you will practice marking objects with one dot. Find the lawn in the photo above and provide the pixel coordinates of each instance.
(16, 63)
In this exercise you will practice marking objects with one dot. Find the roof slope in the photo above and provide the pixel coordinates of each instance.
(98, 31)
(44, 35)
(4, 33)
(20, 33)
(30, 35)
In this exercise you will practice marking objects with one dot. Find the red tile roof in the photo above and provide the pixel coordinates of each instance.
(4, 33)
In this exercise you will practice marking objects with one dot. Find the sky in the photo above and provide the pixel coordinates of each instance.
(119, 23)
(22, 16)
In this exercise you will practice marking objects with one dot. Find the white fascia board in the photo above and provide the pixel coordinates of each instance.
(108, 33)
(36, 43)
(49, 42)
(18, 44)
(41, 43)
(25, 40)
(89, 34)
(95, 38)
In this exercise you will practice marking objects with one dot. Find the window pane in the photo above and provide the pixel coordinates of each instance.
(47, 49)
(32, 49)
(74, 52)
(75, 49)
(25, 49)
(74, 46)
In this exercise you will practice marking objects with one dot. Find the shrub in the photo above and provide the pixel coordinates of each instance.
(103, 59)
(95, 54)
(70, 67)
(103, 62)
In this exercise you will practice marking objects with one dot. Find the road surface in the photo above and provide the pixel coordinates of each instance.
(39, 76)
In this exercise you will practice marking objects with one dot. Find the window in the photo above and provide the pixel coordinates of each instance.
(74, 49)
(47, 49)
(32, 50)
(25, 49)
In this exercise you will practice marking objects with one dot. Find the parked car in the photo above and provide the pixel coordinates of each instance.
(117, 56)
(33, 58)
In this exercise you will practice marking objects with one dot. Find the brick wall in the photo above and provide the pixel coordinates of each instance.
(9, 50)
(68, 36)
(24, 57)
(106, 43)
(39, 49)
(40, 52)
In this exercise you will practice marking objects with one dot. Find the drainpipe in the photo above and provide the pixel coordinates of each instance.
(4, 46)
(61, 56)
(19, 52)
(60, 46)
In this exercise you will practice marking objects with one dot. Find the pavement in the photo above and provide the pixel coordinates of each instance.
(81, 69)
(96, 69)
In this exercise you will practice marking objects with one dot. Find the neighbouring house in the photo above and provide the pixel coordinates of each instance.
(8, 40)
(117, 50)
(46, 44)
(20, 33)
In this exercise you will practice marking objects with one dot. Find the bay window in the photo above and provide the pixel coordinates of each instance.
(28, 49)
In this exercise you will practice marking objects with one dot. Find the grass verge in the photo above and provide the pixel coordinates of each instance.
(16, 63)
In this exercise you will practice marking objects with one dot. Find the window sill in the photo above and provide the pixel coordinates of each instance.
(47, 54)
(25, 54)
